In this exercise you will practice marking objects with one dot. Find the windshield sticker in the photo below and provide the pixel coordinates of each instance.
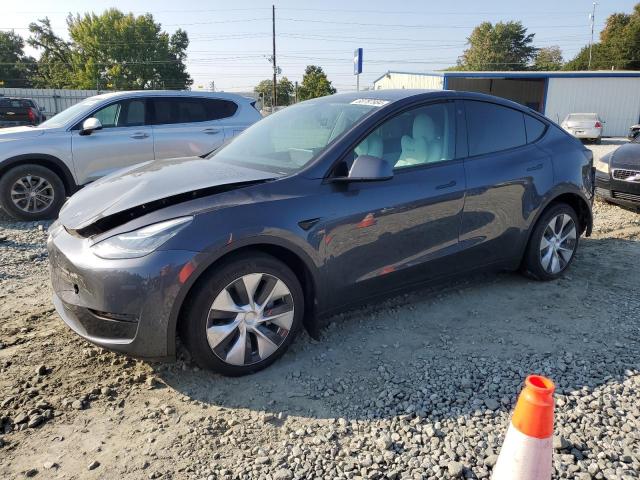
(372, 102)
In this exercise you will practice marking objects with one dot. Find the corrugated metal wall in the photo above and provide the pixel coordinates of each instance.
(407, 80)
(616, 100)
(53, 100)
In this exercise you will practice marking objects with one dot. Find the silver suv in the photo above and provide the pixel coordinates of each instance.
(40, 166)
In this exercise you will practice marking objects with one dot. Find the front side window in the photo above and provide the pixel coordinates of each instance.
(492, 127)
(288, 140)
(109, 115)
(127, 113)
(420, 136)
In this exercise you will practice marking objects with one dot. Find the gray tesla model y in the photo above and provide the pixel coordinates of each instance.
(325, 204)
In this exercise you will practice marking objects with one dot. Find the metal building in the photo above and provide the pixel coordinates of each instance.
(614, 95)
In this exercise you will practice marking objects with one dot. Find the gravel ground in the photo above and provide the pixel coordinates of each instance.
(420, 386)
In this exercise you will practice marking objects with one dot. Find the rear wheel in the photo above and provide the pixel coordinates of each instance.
(243, 315)
(31, 192)
(553, 243)
(598, 140)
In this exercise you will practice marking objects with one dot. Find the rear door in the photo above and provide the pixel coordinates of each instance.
(506, 175)
(125, 139)
(189, 126)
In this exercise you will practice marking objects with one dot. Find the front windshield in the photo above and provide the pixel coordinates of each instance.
(62, 118)
(286, 141)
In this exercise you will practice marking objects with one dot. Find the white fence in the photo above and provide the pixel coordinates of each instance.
(53, 100)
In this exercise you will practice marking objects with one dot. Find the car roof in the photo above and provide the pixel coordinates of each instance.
(394, 95)
(174, 93)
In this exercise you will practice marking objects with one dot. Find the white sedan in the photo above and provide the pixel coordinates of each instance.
(584, 125)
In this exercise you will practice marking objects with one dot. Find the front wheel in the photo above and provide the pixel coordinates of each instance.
(553, 243)
(31, 192)
(243, 315)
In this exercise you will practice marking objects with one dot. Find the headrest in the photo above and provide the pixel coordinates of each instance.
(423, 126)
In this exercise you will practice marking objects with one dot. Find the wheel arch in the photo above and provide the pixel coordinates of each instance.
(574, 200)
(44, 160)
(301, 265)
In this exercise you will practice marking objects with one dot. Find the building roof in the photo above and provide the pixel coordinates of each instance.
(520, 74)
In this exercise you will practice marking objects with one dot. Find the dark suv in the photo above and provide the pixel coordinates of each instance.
(15, 112)
(322, 205)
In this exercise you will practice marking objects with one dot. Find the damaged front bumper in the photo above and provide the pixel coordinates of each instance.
(122, 305)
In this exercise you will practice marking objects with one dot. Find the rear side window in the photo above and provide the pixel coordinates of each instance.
(217, 109)
(492, 128)
(535, 128)
(191, 110)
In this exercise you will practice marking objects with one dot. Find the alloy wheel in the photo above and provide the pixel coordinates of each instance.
(32, 194)
(558, 243)
(250, 319)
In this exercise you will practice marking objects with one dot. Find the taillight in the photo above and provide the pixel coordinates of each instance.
(32, 116)
(598, 125)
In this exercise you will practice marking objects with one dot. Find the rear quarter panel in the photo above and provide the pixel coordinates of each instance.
(572, 163)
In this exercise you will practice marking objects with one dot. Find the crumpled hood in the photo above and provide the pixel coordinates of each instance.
(150, 182)
(19, 133)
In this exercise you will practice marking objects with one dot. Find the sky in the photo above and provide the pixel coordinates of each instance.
(230, 42)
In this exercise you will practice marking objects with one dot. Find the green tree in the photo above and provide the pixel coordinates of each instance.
(285, 91)
(111, 50)
(619, 45)
(127, 52)
(15, 67)
(315, 84)
(548, 58)
(503, 46)
(54, 68)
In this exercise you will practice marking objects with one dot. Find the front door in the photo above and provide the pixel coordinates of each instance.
(125, 139)
(390, 233)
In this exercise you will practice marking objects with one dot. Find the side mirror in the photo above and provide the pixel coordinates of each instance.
(89, 125)
(366, 168)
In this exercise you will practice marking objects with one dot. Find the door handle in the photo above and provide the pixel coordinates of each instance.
(452, 183)
(211, 131)
(535, 167)
(139, 135)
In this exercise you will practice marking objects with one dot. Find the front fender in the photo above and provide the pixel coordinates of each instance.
(225, 247)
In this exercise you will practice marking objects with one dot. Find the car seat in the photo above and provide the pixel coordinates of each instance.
(372, 146)
(424, 146)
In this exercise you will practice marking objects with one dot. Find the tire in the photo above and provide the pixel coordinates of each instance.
(535, 263)
(48, 193)
(598, 140)
(212, 335)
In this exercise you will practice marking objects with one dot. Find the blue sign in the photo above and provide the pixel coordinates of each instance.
(357, 61)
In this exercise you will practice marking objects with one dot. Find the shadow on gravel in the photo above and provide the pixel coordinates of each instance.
(460, 348)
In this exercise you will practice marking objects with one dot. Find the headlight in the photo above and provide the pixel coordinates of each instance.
(602, 165)
(140, 242)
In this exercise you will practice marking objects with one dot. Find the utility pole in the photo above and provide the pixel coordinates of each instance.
(296, 93)
(593, 20)
(274, 101)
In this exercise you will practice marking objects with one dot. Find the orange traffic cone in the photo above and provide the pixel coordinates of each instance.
(527, 448)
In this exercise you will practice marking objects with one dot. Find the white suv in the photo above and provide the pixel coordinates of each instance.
(40, 166)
